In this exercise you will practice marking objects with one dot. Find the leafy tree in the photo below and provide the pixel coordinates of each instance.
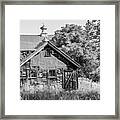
(92, 48)
(82, 43)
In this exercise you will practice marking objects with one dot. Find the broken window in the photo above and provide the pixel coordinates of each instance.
(33, 73)
(47, 53)
(52, 73)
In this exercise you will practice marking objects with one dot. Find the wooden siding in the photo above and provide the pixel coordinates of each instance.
(47, 62)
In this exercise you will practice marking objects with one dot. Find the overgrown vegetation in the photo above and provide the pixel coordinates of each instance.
(82, 43)
(62, 95)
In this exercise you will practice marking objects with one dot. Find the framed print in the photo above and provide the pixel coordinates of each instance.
(59, 60)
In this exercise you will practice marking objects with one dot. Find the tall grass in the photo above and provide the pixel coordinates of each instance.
(62, 95)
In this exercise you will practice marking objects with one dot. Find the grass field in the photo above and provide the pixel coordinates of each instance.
(62, 95)
(86, 91)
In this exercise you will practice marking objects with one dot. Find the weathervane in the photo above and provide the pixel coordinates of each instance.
(43, 28)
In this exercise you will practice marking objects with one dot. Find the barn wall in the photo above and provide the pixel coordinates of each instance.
(47, 62)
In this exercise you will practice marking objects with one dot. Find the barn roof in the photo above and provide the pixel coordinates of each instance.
(40, 46)
(29, 42)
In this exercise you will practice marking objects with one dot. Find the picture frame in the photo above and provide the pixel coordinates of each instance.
(2, 61)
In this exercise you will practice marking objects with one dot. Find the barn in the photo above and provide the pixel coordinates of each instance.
(42, 62)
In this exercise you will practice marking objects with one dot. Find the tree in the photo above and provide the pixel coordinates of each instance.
(92, 47)
(81, 43)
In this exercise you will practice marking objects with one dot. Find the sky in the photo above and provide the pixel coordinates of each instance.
(32, 27)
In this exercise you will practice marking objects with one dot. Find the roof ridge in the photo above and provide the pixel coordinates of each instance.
(32, 55)
(65, 54)
(52, 45)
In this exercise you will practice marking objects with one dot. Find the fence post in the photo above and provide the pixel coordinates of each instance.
(63, 77)
(77, 78)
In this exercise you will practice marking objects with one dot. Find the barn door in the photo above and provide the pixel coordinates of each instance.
(70, 80)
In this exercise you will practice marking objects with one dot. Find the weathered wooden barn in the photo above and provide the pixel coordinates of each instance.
(42, 61)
